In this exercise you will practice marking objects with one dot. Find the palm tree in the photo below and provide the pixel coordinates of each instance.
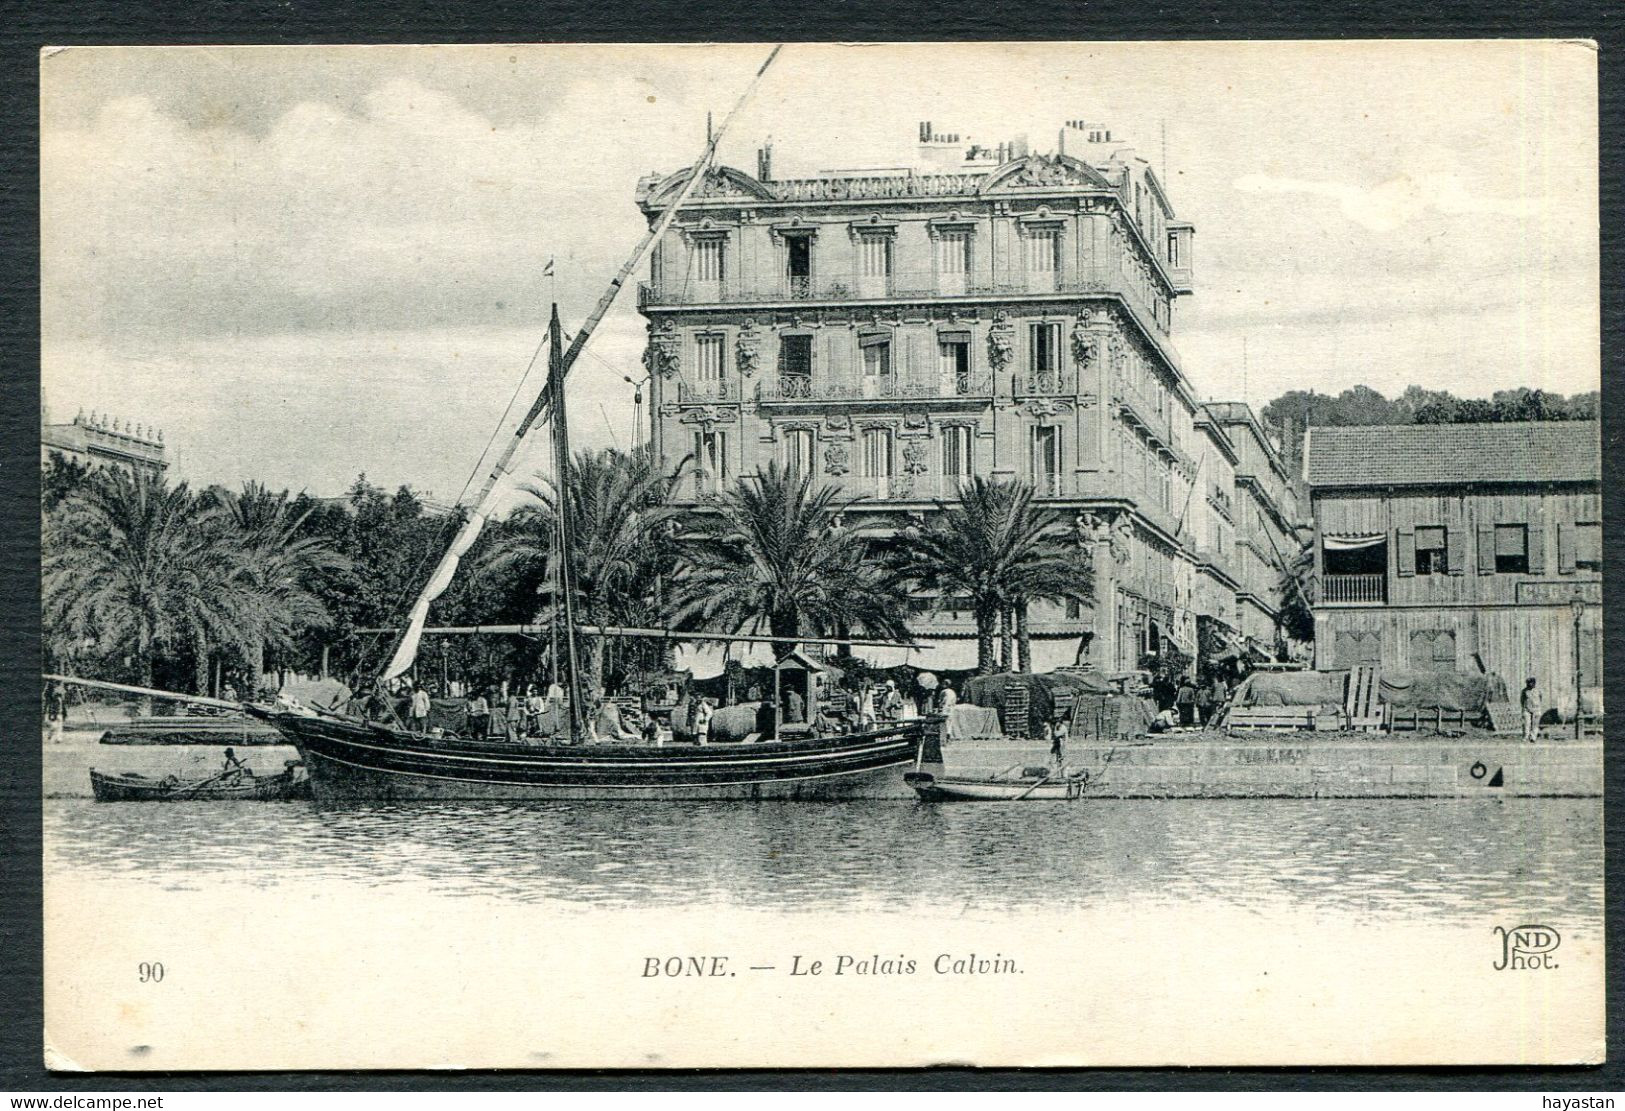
(132, 566)
(618, 510)
(278, 568)
(774, 556)
(994, 547)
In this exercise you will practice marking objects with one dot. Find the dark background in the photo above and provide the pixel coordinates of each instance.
(25, 29)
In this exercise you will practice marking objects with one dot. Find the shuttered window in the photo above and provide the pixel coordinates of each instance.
(956, 447)
(1588, 547)
(1043, 247)
(798, 451)
(876, 355)
(708, 358)
(1511, 550)
(708, 260)
(877, 453)
(953, 253)
(874, 256)
(1430, 550)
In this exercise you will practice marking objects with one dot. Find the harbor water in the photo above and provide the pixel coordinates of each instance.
(1412, 858)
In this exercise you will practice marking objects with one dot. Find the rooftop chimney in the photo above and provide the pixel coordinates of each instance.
(764, 161)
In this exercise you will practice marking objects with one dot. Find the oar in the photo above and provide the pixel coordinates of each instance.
(1047, 777)
(194, 788)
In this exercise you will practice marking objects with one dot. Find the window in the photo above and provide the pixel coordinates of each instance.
(1046, 343)
(1588, 547)
(1511, 550)
(1043, 247)
(1173, 249)
(1046, 459)
(956, 452)
(795, 355)
(953, 260)
(708, 359)
(874, 259)
(711, 457)
(798, 451)
(708, 260)
(953, 359)
(877, 459)
(798, 256)
(876, 356)
(1430, 550)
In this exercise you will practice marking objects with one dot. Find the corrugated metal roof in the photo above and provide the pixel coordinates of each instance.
(1454, 454)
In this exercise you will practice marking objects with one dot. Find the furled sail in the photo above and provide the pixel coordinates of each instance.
(406, 651)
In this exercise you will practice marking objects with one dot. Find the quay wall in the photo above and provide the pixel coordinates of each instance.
(1309, 766)
(1291, 766)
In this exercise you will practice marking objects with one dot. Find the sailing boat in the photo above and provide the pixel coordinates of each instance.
(350, 758)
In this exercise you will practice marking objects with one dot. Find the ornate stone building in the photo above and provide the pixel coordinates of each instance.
(103, 441)
(1000, 313)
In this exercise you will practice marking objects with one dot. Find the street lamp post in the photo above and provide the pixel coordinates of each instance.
(1577, 606)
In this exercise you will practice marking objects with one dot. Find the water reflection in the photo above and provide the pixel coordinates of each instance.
(1376, 857)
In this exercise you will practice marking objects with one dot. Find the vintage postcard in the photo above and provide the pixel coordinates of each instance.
(821, 555)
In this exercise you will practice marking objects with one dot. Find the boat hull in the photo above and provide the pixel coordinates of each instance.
(134, 787)
(957, 789)
(349, 761)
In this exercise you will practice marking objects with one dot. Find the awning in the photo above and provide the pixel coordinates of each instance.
(1162, 631)
(888, 656)
(946, 655)
(707, 661)
(1350, 543)
(1049, 655)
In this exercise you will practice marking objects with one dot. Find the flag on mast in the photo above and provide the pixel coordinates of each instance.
(547, 271)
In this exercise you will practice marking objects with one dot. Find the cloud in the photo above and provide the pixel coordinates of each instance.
(1399, 200)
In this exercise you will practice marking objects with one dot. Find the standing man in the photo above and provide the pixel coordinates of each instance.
(891, 704)
(1529, 702)
(1204, 703)
(420, 709)
(702, 722)
(946, 699)
(479, 715)
(1185, 701)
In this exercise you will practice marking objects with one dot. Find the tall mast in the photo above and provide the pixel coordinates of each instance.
(407, 647)
(565, 578)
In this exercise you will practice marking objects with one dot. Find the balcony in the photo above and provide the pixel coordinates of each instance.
(862, 387)
(716, 390)
(901, 285)
(1353, 590)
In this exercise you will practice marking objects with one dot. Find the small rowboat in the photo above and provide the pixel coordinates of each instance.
(1056, 786)
(240, 786)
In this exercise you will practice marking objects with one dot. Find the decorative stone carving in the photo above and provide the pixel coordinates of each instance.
(835, 459)
(914, 458)
(838, 427)
(915, 424)
(747, 349)
(1083, 345)
(1122, 538)
(1001, 342)
(662, 356)
(1042, 407)
(1040, 171)
(708, 414)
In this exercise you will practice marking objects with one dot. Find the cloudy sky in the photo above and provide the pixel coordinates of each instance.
(305, 263)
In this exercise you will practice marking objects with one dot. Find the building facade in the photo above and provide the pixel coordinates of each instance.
(1271, 523)
(1460, 547)
(996, 313)
(103, 441)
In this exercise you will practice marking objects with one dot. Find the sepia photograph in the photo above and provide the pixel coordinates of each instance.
(821, 555)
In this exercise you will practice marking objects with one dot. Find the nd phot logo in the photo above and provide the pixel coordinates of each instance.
(1527, 947)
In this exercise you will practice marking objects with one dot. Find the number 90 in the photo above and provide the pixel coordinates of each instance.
(150, 972)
